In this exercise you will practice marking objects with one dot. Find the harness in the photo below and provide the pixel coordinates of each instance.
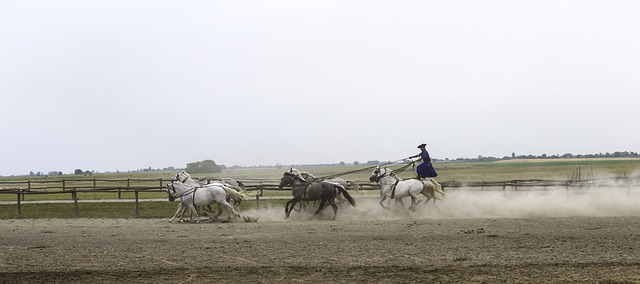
(190, 191)
(297, 176)
(394, 185)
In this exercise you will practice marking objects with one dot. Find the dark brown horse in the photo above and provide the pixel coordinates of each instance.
(303, 190)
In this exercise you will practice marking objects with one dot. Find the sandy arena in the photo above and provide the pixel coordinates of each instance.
(471, 237)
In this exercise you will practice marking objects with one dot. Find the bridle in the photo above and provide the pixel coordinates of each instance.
(291, 183)
(377, 172)
(175, 194)
(178, 178)
(378, 176)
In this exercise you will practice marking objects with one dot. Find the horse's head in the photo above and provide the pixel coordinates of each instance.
(288, 178)
(182, 176)
(171, 192)
(377, 173)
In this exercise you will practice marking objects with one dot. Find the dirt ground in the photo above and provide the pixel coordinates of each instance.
(472, 250)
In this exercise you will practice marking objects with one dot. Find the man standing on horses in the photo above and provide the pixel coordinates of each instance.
(425, 169)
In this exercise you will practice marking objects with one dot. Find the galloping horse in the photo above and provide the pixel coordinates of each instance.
(193, 197)
(393, 187)
(340, 200)
(303, 190)
(236, 185)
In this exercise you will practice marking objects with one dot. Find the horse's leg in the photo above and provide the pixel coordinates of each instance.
(180, 208)
(430, 193)
(236, 203)
(220, 211)
(427, 201)
(194, 210)
(232, 211)
(414, 197)
(335, 208)
(185, 208)
(384, 197)
(321, 207)
(289, 206)
(209, 211)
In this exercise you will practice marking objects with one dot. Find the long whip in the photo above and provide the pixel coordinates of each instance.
(364, 169)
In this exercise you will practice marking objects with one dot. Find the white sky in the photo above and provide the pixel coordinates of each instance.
(123, 85)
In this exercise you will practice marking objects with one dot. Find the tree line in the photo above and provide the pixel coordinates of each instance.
(625, 154)
(210, 166)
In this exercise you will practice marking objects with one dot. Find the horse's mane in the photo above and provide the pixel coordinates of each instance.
(303, 174)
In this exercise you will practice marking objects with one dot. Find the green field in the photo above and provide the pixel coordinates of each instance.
(551, 169)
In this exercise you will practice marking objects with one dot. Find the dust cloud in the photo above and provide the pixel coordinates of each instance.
(596, 201)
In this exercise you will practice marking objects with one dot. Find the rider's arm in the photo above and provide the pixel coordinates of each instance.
(415, 158)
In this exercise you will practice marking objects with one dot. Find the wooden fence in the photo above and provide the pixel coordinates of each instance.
(136, 186)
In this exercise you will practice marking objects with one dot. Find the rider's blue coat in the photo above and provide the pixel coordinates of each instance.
(425, 169)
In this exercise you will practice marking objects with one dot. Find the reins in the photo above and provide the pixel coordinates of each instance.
(352, 172)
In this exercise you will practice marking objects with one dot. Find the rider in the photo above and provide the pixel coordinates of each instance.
(425, 169)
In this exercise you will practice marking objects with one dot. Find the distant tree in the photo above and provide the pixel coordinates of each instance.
(206, 166)
(356, 163)
(78, 172)
(567, 156)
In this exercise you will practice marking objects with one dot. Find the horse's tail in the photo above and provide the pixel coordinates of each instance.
(438, 187)
(341, 189)
(234, 192)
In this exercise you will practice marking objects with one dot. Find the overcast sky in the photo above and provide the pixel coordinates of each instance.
(123, 85)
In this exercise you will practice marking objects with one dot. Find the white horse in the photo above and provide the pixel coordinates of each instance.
(228, 184)
(392, 187)
(192, 197)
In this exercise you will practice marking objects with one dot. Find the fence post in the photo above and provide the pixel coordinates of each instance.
(257, 202)
(64, 184)
(28, 188)
(128, 185)
(137, 211)
(94, 183)
(19, 207)
(258, 196)
(74, 195)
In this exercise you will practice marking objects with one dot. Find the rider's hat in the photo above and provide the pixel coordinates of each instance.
(422, 145)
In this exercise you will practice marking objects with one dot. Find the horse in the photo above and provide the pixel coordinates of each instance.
(303, 190)
(193, 197)
(185, 178)
(340, 200)
(392, 187)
